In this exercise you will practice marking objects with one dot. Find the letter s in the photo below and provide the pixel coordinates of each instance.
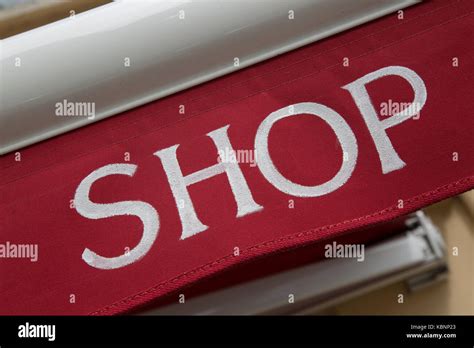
(144, 211)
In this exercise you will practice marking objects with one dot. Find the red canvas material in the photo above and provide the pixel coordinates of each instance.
(37, 192)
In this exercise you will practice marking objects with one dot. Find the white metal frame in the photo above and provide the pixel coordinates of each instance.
(172, 45)
(416, 255)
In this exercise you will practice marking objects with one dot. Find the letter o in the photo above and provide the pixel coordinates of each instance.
(344, 135)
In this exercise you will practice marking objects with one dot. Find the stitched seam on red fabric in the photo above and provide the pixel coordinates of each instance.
(209, 265)
(238, 100)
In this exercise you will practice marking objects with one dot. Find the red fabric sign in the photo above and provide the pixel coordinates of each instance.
(313, 163)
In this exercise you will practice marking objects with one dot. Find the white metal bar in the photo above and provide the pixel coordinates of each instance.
(171, 45)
